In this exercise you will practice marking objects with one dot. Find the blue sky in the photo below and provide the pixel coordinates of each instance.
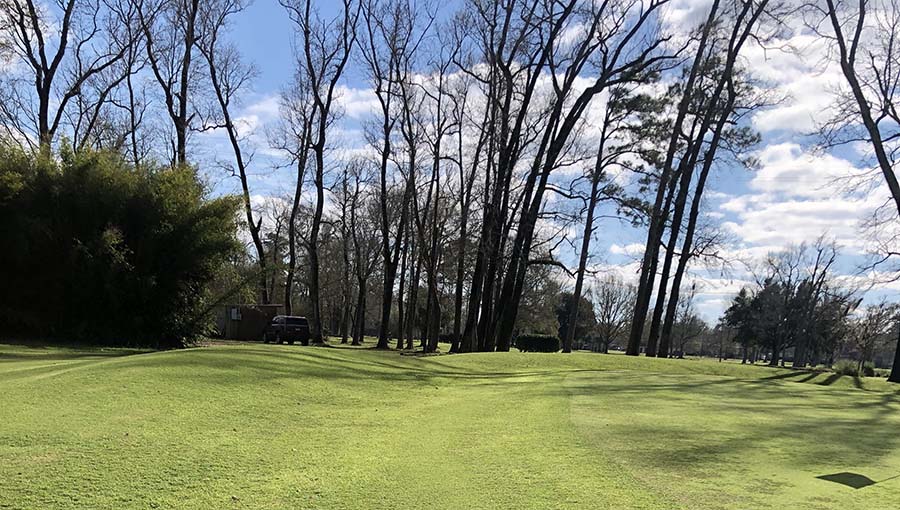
(793, 197)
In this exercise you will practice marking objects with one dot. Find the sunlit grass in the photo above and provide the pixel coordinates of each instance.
(264, 426)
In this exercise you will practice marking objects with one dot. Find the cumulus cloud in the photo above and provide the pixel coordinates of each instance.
(796, 72)
(796, 197)
(357, 103)
(630, 250)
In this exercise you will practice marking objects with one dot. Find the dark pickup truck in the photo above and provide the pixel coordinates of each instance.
(287, 328)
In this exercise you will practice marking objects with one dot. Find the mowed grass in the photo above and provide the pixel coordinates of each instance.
(260, 426)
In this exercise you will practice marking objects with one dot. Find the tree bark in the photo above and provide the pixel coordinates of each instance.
(658, 216)
(687, 245)
(400, 304)
(895, 368)
(586, 234)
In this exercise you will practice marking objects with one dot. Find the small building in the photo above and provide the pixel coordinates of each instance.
(244, 322)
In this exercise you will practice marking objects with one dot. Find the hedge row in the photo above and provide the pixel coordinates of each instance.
(537, 343)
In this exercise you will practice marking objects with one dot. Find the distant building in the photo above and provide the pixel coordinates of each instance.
(244, 322)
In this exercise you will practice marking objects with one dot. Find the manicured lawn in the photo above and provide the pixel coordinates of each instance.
(260, 426)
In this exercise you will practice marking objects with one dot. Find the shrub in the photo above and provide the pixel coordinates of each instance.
(537, 343)
(99, 251)
(868, 369)
(446, 338)
(846, 367)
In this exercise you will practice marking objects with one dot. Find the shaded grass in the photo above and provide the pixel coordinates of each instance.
(254, 426)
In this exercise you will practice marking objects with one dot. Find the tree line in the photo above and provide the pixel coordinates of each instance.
(502, 135)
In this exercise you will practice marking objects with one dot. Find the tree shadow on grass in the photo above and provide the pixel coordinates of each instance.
(785, 375)
(63, 356)
(255, 365)
(839, 427)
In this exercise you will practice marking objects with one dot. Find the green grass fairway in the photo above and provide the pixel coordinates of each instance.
(260, 426)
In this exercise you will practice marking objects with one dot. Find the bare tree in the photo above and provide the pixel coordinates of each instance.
(325, 46)
(872, 328)
(613, 301)
(431, 221)
(864, 36)
(394, 29)
(293, 137)
(628, 46)
(170, 36)
(60, 58)
(366, 242)
(229, 78)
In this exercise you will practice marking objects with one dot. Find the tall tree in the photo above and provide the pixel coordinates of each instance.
(864, 34)
(230, 77)
(732, 27)
(736, 140)
(294, 138)
(394, 29)
(170, 36)
(630, 49)
(60, 58)
(325, 46)
(619, 139)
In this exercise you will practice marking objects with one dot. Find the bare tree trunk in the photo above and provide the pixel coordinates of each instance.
(658, 216)
(686, 247)
(468, 342)
(345, 252)
(224, 73)
(359, 325)
(465, 201)
(588, 231)
(412, 311)
(181, 122)
(292, 222)
(404, 256)
(895, 368)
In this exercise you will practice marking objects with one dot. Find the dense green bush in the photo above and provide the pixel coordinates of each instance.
(98, 251)
(846, 367)
(447, 338)
(537, 343)
(868, 369)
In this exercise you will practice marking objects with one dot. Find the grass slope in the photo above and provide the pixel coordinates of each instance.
(254, 426)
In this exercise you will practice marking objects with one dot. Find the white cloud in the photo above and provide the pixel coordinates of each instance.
(797, 197)
(798, 77)
(357, 103)
(631, 250)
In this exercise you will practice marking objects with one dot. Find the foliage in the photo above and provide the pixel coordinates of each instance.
(447, 338)
(868, 369)
(587, 320)
(846, 367)
(100, 251)
(797, 304)
(537, 343)
(537, 311)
